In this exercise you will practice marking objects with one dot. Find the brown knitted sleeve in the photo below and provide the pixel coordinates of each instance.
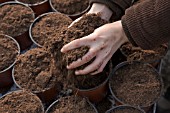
(147, 24)
(117, 6)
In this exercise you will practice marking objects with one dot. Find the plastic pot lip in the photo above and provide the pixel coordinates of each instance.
(123, 106)
(158, 76)
(70, 15)
(35, 21)
(19, 50)
(36, 4)
(28, 92)
(19, 3)
(55, 102)
(36, 92)
(104, 82)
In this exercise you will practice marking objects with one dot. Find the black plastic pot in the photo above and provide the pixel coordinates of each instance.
(121, 102)
(124, 107)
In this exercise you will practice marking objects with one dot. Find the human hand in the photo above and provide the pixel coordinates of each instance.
(103, 43)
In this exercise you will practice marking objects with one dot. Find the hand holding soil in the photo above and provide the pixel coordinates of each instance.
(103, 42)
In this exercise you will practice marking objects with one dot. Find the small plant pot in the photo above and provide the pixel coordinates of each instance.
(97, 93)
(23, 37)
(125, 109)
(142, 80)
(152, 57)
(6, 72)
(38, 8)
(35, 71)
(21, 101)
(47, 26)
(2, 1)
(64, 101)
(72, 16)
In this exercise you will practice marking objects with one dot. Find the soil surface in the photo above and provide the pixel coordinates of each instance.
(49, 26)
(136, 53)
(36, 71)
(126, 110)
(14, 23)
(72, 104)
(70, 6)
(140, 81)
(20, 102)
(31, 1)
(9, 52)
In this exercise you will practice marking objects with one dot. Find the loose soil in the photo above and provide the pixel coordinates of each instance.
(20, 102)
(14, 23)
(36, 71)
(140, 81)
(136, 53)
(104, 105)
(9, 52)
(70, 6)
(127, 110)
(49, 26)
(82, 28)
(72, 104)
(31, 1)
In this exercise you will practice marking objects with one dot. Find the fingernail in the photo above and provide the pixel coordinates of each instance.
(77, 73)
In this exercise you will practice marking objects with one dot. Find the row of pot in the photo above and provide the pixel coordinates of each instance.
(27, 102)
(73, 9)
(152, 83)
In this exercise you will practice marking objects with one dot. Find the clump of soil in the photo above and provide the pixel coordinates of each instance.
(126, 110)
(20, 102)
(49, 26)
(9, 52)
(72, 104)
(136, 53)
(140, 81)
(14, 23)
(104, 105)
(70, 7)
(31, 1)
(36, 71)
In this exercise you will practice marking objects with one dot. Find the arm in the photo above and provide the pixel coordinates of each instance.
(147, 24)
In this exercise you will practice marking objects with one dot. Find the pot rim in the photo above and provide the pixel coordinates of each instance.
(55, 102)
(70, 15)
(123, 106)
(36, 20)
(157, 74)
(19, 90)
(19, 50)
(19, 3)
(36, 4)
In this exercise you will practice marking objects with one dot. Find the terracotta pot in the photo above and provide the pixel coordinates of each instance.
(23, 39)
(120, 102)
(6, 74)
(125, 107)
(21, 91)
(2, 1)
(58, 101)
(97, 93)
(39, 8)
(73, 16)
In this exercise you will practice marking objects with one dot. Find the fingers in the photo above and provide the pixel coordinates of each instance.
(76, 43)
(90, 68)
(86, 58)
(74, 22)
